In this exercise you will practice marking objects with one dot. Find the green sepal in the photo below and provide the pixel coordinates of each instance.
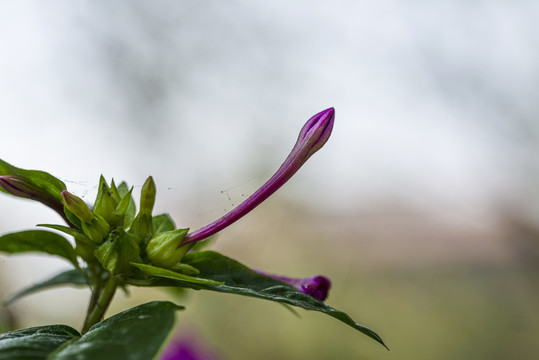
(123, 207)
(118, 251)
(105, 204)
(77, 206)
(164, 248)
(96, 229)
(114, 191)
(123, 189)
(72, 218)
(142, 227)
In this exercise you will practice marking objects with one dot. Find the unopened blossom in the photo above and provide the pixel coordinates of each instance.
(22, 187)
(316, 286)
(312, 137)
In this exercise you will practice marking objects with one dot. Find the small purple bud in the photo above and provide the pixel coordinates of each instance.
(312, 137)
(19, 186)
(316, 286)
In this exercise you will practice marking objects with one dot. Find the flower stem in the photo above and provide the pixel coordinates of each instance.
(100, 301)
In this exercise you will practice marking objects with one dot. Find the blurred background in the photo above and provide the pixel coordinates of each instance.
(423, 207)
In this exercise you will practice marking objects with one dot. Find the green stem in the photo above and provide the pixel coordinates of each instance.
(101, 298)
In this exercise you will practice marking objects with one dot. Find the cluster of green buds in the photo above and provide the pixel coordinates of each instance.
(113, 235)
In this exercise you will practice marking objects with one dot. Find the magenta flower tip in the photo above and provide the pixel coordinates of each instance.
(316, 286)
(313, 135)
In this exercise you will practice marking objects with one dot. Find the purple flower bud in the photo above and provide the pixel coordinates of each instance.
(315, 286)
(20, 186)
(190, 348)
(312, 137)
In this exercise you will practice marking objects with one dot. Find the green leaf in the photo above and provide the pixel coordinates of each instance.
(162, 222)
(239, 279)
(38, 241)
(169, 274)
(34, 343)
(77, 234)
(69, 277)
(135, 334)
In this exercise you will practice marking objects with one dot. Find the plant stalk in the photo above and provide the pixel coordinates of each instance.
(100, 301)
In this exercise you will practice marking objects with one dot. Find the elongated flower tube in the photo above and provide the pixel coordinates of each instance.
(315, 286)
(312, 137)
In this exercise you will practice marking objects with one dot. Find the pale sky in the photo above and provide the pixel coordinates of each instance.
(210, 98)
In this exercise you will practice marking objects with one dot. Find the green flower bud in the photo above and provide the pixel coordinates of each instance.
(77, 206)
(96, 229)
(147, 197)
(114, 191)
(163, 250)
(105, 204)
(142, 227)
(122, 207)
(118, 251)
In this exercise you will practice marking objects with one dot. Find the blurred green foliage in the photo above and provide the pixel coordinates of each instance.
(461, 312)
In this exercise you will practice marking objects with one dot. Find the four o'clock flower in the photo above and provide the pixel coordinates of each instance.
(312, 137)
(316, 286)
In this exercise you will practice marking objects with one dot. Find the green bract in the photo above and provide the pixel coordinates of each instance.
(162, 249)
